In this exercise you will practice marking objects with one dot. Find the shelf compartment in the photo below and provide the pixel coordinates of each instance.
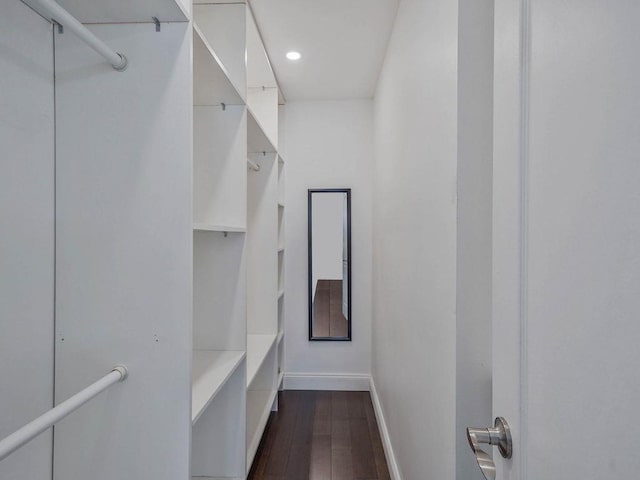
(211, 370)
(219, 291)
(218, 446)
(259, 404)
(258, 347)
(223, 28)
(257, 139)
(219, 172)
(211, 82)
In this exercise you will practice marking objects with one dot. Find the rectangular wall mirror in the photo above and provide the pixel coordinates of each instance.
(330, 264)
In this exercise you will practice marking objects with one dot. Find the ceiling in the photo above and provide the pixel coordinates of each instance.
(342, 42)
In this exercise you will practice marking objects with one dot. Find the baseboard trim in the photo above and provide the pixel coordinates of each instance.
(327, 381)
(394, 470)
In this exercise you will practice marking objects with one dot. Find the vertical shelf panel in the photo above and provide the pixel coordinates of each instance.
(27, 234)
(124, 252)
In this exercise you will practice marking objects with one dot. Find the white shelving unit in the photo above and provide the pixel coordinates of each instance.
(235, 233)
(166, 244)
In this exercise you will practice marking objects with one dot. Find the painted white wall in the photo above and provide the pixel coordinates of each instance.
(475, 162)
(327, 223)
(414, 238)
(26, 234)
(328, 144)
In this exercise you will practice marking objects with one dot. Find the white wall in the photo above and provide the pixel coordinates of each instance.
(26, 234)
(475, 162)
(328, 144)
(327, 236)
(414, 250)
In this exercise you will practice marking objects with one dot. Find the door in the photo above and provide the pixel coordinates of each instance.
(566, 301)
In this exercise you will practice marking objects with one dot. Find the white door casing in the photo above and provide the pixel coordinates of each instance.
(566, 274)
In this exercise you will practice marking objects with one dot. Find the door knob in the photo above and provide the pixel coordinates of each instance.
(499, 436)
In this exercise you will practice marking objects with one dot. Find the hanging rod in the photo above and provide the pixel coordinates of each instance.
(253, 165)
(34, 428)
(61, 16)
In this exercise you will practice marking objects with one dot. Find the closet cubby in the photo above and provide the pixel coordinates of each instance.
(219, 170)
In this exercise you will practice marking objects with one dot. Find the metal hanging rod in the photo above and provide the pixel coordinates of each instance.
(34, 428)
(253, 165)
(59, 15)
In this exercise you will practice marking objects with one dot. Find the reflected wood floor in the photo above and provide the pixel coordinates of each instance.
(328, 319)
(319, 435)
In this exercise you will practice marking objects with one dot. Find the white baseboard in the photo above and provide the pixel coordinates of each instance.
(394, 471)
(327, 381)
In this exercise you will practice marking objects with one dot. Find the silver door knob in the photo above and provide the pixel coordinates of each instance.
(499, 436)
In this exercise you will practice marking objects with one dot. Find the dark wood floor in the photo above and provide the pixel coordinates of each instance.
(321, 436)
(328, 319)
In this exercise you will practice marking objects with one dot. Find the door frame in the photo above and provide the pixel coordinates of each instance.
(510, 225)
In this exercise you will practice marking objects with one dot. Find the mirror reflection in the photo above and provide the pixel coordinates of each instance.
(330, 264)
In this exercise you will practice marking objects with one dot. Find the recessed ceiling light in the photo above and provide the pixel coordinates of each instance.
(294, 55)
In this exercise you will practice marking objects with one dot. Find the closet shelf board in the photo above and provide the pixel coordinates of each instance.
(211, 370)
(206, 227)
(258, 347)
(122, 11)
(211, 83)
(280, 336)
(280, 294)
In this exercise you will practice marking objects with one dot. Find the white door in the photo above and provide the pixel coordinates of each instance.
(566, 304)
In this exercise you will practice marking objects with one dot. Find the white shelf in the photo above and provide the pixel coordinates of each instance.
(211, 83)
(280, 294)
(258, 347)
(280, 159)
(205, 227)
(123, 11)
(211, 370)
(280, 337)
(257, 140)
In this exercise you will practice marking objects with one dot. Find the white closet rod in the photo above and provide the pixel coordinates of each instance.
(253, 165)
(64, 18)
(31, 430)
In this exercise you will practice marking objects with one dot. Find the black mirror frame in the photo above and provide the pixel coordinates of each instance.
(310, 192)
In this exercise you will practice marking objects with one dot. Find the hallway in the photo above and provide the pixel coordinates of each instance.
(321, 435)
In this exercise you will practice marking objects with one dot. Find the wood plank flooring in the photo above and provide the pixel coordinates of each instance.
(328, 319)
(319, 435)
